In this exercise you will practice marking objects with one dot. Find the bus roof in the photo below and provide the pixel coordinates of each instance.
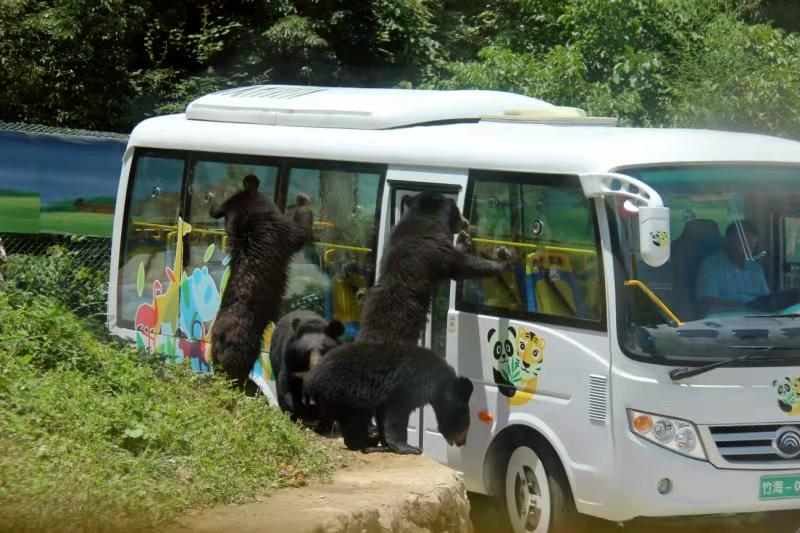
(357, 108)
(516, 146)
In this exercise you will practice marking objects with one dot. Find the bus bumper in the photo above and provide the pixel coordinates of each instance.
(695, 487)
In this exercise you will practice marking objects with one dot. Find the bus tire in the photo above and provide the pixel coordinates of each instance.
(531, 491)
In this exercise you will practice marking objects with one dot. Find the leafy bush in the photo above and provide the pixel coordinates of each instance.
(60, 274)
(94, 436)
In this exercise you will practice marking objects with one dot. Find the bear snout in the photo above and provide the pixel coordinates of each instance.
(314, 358)
(458, 440)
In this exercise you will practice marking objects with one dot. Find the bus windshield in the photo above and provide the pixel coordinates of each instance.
(732, 284)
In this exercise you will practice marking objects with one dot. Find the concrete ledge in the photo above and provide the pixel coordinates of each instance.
(375, 493)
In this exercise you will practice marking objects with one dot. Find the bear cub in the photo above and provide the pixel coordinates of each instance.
(261, 242)
(420, 254)
(300, 340)
(356, 381)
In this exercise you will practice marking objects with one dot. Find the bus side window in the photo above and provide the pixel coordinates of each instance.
(149, 245)
(550, 227)
(213, 181)
(331, 275)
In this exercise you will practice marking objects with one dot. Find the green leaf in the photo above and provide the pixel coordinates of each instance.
(209, 253)
(140, 280)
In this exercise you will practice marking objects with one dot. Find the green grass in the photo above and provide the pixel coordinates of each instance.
(19, 213)
(95, 436)
(94, 224)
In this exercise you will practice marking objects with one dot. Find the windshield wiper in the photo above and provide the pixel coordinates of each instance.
(683, 373)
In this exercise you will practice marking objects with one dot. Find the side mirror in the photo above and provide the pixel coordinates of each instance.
(654, 237)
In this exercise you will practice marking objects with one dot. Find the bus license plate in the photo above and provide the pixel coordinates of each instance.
(777, 487)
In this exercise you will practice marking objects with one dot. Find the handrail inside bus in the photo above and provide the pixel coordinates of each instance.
(529, 246)
(655, 299)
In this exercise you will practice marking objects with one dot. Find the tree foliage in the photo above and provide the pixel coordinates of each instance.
(107, 64)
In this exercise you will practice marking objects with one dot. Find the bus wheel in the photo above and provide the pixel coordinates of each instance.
(533, 494)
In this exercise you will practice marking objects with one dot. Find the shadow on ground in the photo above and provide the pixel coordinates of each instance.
(789, 522)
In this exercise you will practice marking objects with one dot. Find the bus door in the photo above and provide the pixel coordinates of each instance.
(434, 336)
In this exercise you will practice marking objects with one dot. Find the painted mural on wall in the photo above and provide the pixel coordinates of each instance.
(178, 319)
(517, 358)
(58, 183)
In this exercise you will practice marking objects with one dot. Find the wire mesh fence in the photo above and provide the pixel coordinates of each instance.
(91, 252)
(73, 270)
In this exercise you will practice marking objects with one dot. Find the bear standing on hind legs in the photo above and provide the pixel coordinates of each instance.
(420, 254)
(261, 241)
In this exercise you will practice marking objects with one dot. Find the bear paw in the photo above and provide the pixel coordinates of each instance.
(464, 241)
(504, 254)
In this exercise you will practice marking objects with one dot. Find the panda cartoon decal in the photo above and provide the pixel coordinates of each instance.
(788, 391)
(501, 344)
(517, 357)
(659, 238)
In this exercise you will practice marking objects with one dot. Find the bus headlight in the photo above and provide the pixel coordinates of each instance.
(675, 434)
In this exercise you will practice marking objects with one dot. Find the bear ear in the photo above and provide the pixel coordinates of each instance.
(774, 382)
(335, 329)
(491, 334)
(250, 183)
(463, 388)
(296, 324)
(512, 331)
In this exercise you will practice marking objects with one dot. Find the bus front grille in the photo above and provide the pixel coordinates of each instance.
(749, 444)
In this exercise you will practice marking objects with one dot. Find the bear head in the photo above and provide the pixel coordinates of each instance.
(451, 406)
(237, 208)
(434, 204)
(310, 341)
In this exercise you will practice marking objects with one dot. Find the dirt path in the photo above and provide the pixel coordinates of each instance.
(374, 493)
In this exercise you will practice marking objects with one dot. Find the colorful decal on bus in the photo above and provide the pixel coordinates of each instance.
(518, 355)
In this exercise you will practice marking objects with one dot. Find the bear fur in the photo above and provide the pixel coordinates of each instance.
(420, 254)
(356, 381)
(261, 241)
(299, 341)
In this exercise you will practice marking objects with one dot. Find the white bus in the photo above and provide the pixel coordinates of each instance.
(594, 390)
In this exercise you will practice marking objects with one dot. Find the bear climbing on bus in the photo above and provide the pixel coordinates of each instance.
(261, 241)
(420, 254)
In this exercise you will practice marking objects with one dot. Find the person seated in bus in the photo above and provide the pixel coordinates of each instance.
(728, 280)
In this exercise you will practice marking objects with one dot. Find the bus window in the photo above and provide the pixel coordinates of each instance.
(150, 243)
(550, 227)
(205, 253)
(215, 181)
(330, 276)
(791, 251)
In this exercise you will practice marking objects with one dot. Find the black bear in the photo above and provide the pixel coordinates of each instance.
(261, 241)
(356, 381)
(299, 341)
(420, 254)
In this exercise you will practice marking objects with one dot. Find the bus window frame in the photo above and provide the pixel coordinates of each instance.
(542, 179)
(284, 166)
